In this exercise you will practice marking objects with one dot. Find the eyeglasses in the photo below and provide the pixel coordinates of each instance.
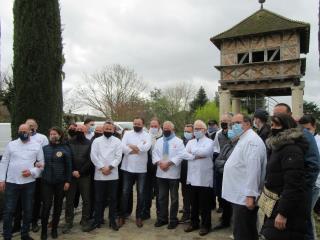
(198, 129)
(238, 122)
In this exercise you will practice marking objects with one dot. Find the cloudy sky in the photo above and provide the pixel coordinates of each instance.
(165, 41)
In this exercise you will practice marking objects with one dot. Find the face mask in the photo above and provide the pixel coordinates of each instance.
(198, 134)
(23, 136)
(72, 132)
(107, 134)
(54, 140)
(33, 131)
(80, 135)
(237, 129)
(96, 135)
(224, 125)
(153, 131)
(188, 135)
(276, 131)
(212, 129)
(91, 129)
(231, 134)
(166, 133)
(137, 129)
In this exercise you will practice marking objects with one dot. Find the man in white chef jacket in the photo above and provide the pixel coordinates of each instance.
(244, 174)
(200, 178)
(17, 179)
(167, 154)
(37, 201)
(135, 146)
(106, 154)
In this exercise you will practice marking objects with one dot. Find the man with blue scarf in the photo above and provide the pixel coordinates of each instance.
(167, 155)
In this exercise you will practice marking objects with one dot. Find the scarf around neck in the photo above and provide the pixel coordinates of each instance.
(166, 144)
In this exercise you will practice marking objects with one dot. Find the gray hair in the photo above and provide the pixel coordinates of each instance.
(168, 123)
(200, 122)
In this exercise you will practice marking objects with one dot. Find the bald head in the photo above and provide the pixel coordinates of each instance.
(81, 128)
(282, 108)
(24, 128)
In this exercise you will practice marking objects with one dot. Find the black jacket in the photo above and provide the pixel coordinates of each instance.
(81, 156)
(264, 132)
(285, 175)
(58, 164)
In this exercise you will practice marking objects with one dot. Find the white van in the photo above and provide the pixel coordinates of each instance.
(5, 136)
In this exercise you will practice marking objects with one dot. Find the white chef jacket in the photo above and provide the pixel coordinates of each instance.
(245, 169)
(135, 163)
(40, 138)
(176, 154)
(19, 156)
(216, 144)
(200, 171)
(106, 152)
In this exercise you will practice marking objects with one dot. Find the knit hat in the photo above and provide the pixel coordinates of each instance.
(261, 114)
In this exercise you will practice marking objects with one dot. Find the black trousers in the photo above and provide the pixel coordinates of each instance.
(83, 184)
(37, 202)
(166, 187)
(201, 204)
(105, 191)
(185, 189)
(119, 197)
(55, 193)
(244, 223)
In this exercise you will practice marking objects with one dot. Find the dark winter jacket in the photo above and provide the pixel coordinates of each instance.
(264, 132)
(312, 160)
(58, 164)
(285, 175)
(81, 156)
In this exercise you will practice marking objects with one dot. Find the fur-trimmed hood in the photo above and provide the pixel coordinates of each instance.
(288, 136)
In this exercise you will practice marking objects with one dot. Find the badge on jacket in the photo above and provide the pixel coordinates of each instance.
(59, 154)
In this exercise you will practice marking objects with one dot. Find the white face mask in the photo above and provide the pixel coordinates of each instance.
(153, 131)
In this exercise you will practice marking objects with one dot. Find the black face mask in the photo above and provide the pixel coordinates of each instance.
(80, 136)
(23, 136)
(96, 135)
(166, 133)
(137, 129)
(72, 132)
(107, 134)
(275, 131)
(224, 125)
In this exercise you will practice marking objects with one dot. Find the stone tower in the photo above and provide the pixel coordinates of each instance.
(261, 56)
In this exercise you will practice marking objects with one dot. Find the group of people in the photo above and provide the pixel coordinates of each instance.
(245, 163)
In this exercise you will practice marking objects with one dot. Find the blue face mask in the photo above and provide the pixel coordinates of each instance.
(231, 134)
(198, 134)
(188, 135)
(237, 129)
(91, 129)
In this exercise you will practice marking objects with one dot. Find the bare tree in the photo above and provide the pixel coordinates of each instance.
(179, 96)
(71, 103)
(109, 90)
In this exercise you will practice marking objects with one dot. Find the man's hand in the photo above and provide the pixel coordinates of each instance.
(66, 186)
(250, 203)
(165, 165)
(76, 174)
(106, 171)
(39, 165)
(280, 222)
(197, 157)
(135, 149)
(2, 186)
(26, 173)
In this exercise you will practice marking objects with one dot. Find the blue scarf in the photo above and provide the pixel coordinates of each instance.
(166, 144)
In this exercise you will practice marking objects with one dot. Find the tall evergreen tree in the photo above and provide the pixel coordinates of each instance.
(199, 101)
(37, 63)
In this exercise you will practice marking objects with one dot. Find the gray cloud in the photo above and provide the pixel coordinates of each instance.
(164, 41)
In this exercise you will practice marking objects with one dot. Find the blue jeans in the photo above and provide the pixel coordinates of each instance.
(128, 181)
(312, 194)
(11, 196)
